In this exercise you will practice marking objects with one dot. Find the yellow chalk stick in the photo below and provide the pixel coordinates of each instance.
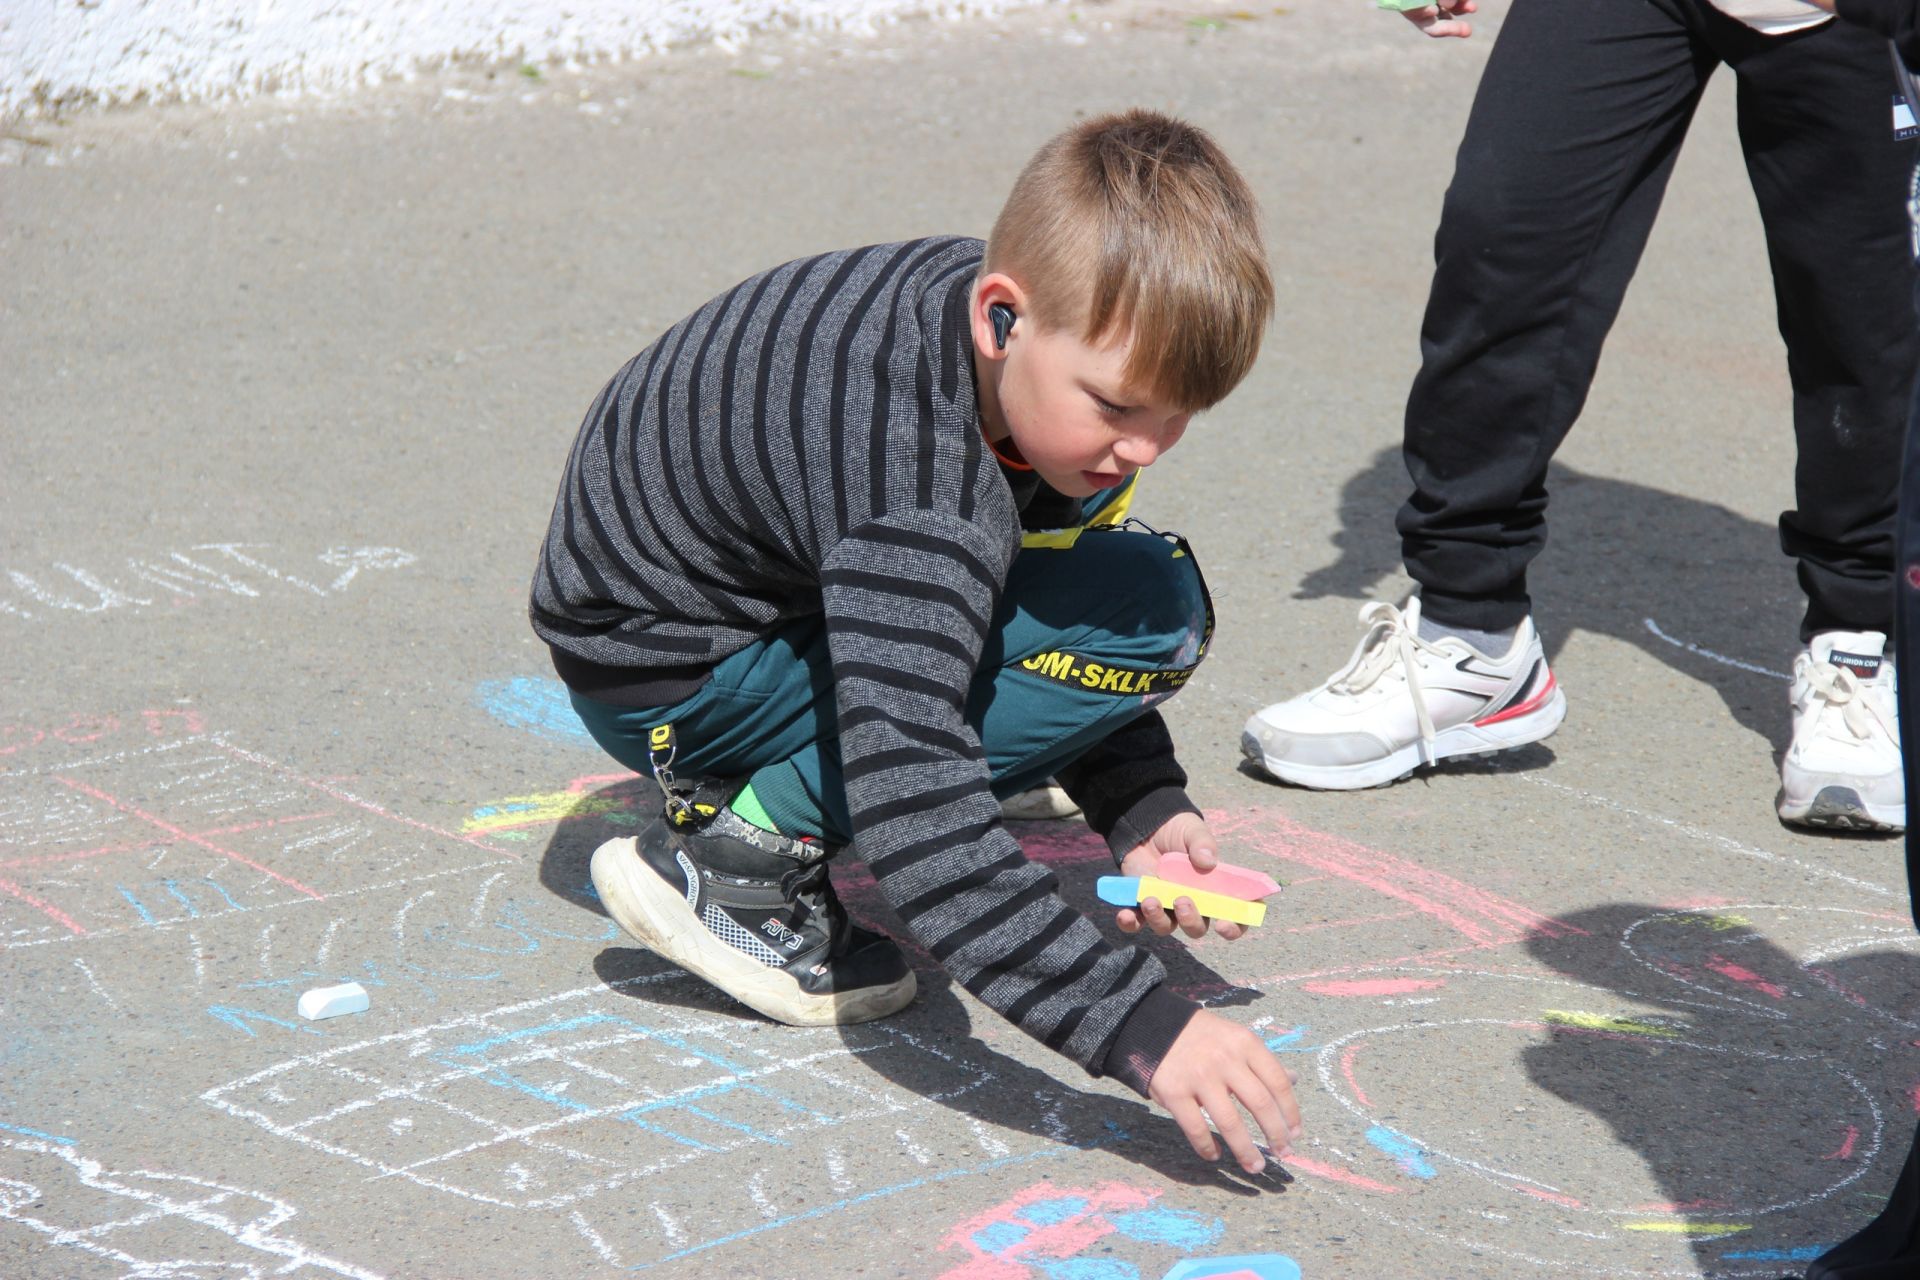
(1217, 905)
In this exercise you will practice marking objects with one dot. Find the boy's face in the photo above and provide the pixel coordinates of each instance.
(1068, 410)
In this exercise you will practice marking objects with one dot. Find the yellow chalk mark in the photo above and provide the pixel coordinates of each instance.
(1690, 1228)
(1607, 1022)
(546, 806)
(1717, 923)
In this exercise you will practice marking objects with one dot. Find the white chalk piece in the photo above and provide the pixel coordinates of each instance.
(331, 1002)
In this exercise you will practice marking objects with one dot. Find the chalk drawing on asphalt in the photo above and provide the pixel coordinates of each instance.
(62, 1199)
(567, 1104)
(1711, 656)
(1048, 1230)
(183, 578)
(189, 829)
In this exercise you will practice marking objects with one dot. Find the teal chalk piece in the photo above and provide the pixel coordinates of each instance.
(1401, 6)
(1261, 1266)
(1119, 891)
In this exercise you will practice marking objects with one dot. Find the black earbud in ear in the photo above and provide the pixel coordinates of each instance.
(1002, 317)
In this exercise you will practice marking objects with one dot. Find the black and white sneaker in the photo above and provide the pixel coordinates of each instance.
(755, 914)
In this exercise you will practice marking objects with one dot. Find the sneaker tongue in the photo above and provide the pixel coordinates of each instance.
(812, 888)
(1860, 652)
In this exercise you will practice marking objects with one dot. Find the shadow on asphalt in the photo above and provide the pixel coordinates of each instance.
(1621, 554)
(1765, 1091)
(1011, 1095)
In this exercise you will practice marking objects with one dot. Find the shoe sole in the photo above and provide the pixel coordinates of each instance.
(1042, 804)
(1839, 808)
(1460, 740)
(661, 920)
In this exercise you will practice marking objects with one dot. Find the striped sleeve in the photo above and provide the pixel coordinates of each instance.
(908, 601)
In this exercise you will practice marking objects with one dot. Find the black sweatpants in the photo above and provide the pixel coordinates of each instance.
(1888, 1248)
(1572, 136)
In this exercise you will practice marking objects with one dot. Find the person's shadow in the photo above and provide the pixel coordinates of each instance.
(1013, 1096)
(1660, 571)
(1768, 1095)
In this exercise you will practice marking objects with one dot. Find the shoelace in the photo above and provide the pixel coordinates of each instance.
(1840, 688)
(1388, 640)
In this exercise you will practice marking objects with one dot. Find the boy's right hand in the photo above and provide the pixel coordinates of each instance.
(1442, 19)
(1214, 1063)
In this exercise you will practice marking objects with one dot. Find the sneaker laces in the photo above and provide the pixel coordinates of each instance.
(1839, 687)
(1388, 643)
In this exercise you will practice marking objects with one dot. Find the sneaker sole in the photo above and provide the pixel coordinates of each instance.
(1842, 809)
(661, 921)
(1460, 740)
(1042, 804)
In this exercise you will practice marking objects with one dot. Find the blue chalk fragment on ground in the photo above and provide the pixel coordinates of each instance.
(332, 1002)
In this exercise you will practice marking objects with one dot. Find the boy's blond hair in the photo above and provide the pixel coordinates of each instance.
(1138, 223)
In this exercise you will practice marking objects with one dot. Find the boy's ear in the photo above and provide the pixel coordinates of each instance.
(995, 314)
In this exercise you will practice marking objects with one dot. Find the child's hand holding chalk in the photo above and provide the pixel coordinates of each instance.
(1176, 880)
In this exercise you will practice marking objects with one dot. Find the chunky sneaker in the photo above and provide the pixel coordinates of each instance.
(1402, 702)
(754, 913)
(1843, 767)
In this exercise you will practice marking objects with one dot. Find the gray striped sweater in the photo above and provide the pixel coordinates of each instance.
(808, 443)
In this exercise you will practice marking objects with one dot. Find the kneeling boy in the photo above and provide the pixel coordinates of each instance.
(786, 575)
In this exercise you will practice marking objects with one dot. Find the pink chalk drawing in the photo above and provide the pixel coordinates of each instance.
(88, 727)
(1044, 1232)
(1479, 915)
(1745, 977)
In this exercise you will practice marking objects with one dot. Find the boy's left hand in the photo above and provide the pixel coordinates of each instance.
(1183, 833)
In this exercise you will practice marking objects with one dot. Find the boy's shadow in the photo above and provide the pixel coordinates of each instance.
(1764, 1092)
(1654, 569)
(1009, 1094)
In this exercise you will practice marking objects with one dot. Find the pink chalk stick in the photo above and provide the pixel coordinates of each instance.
(1236, 882)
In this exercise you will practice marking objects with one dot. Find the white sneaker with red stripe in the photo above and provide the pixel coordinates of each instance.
(1843, 770)
(1402, 702)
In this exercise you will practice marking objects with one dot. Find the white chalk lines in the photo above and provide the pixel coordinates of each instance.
(1709, 654)
(1705, 998)
(171, 579)
(196, 829)
(546, 1104)
(239, 1233)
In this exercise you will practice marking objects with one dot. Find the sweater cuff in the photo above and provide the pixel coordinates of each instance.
(1144, 1038)
(1145, 816)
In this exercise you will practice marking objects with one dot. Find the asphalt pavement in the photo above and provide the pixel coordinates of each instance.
(285, 390)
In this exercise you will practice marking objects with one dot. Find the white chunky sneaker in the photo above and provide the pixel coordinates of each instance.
(1401, 702)
(1843, 769)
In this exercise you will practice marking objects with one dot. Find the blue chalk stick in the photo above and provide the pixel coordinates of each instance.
(1121, 891)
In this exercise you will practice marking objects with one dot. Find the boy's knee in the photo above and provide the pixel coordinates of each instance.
(1167, 594)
